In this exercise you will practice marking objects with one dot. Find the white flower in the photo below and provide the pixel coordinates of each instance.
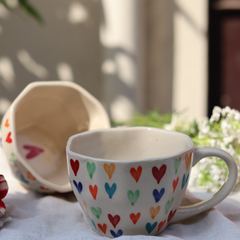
(215, 117)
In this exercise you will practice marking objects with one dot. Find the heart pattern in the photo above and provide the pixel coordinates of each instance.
(184, 180)
(118, 234)
(159, 173)
(113, 191)
(133, 197)
(78, 186)
(114, 220)
(6, 123)
(160, 225)
(91, 169)
(175, 183)
(135, 217)
(96, 211)
(168, 205)
(110, 190)
(34, 151)
(93, 191)
(154, 212)
(109, 169)
(171, 214)
(150, 227)
(177, 163)
(75, 166)
(136, 174)
(188, 160)
(158, 195)
(9, 139)
(103, 227)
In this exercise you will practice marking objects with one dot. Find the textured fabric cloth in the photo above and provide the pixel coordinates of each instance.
(36, 216)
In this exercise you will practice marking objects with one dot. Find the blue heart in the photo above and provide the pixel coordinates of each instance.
(150, 227)
(118, 234)
(93, 223)
(110, 190)
(23, 179)
(78, 186)
(184, 180)
(158, 195)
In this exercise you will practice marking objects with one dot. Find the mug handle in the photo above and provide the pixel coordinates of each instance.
(202, 152)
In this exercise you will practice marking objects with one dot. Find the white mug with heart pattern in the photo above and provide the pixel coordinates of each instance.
(36, 127)
(131, 181)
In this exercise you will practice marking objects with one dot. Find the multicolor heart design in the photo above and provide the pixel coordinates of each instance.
(133, 196)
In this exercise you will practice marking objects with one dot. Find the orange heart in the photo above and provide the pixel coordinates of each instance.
(103, 227)
(154, 211)
(109, 169)
(30, 176)
(7, 123)
(175, 183)
(44, 188)
(160, 225)
(93, 191)
(135, 217)
(188, 159)
(136, 174)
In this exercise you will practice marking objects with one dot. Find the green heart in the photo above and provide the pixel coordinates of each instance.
(12, 158)
(133, 197)
(168, 205)
(177, 164)
(97, 212)
(91, 169)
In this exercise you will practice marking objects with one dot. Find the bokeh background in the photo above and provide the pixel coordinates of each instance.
(143, 55)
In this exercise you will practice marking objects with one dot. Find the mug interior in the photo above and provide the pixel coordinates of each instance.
(44, 120)
(127, 144)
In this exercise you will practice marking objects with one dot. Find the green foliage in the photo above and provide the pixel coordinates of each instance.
(26, 6)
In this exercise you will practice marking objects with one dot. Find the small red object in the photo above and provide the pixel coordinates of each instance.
(3, 193)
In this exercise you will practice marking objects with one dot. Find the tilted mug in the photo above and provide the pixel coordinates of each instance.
(131, 181)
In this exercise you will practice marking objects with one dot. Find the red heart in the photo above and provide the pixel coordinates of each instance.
(134, 217)
(75, 166)
(93, 191)
(114, 220)
(159, 173)
(175, 183)
(171, 214)
(136, 174)
(34, 151)
(103, 227)
(160, 225)
(8, 139)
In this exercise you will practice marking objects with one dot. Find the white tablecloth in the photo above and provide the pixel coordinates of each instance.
(36, 216)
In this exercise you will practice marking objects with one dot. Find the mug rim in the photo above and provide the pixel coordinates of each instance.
(69, 142)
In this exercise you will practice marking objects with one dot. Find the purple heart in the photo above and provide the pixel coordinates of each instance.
(158, 195)
(78, 186)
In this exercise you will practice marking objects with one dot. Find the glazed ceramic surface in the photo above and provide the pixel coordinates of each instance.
(132, 180)
(37, 126)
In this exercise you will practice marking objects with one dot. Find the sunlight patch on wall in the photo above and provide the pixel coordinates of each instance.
(109, 67)
(77, 13)
(7, 74)
(12, 3)
(121, 108)
(33, 67)
(4, 13)
(4, 105)
(126, 69)
(65, 72)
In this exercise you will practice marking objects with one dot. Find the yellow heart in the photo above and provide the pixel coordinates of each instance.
(109, 169)
(188, 159)
(154, 211)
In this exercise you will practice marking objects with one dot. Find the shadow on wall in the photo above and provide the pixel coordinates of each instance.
(65, 48)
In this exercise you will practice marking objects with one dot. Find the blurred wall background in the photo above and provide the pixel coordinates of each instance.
(130, 54)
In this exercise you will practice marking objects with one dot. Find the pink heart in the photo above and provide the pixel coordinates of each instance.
(33, 151)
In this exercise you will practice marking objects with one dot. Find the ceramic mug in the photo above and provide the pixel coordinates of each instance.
(131, 181)
(36, 127)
